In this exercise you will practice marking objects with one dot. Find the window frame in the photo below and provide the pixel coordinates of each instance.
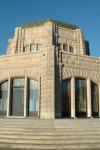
(68, 48)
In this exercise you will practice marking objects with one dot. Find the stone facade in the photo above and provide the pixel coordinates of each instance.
(59, 52)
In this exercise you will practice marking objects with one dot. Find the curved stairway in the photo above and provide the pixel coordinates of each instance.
(58, 134)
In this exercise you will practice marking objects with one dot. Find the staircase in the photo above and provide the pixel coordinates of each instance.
(59, 134)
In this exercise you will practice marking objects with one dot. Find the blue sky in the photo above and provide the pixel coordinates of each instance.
(84, 13)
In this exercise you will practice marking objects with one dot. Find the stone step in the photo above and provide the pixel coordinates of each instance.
(57, 140)
(50, 149)
(66, 127)
(14, 128)
(93, 146)
(50, 124)
(50, 120)
(28, 122)
(55, 134)
(65, 137)
(45, 132)
(28, 146)
(26, 129)
(49, 141)
(50, 133)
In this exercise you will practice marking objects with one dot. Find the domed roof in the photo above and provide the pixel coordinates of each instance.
(58, 23)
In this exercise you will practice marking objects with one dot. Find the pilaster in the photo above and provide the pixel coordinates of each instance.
(99, 100)
(88, 97)
(9, 97)
(25, 97)
(73, 97)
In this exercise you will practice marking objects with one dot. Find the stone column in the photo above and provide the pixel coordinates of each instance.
(39, 97)
(25, 96)
(19, 39)
(73, 97)
(22, 39)
(99, 100)
(88, 97)
(8, 100)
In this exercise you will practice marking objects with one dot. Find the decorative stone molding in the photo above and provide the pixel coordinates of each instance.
(73, 72)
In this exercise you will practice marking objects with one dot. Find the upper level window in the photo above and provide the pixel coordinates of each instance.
(32, 48)
(68, 48)
(39, 46)
(59, 46)
(35, 47)
(71, 49)
(26, 48)
(65, 47)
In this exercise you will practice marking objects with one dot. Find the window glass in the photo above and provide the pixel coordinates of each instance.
(18, 97)
(66, 99)
(65, 47)
(19, 82)
(94, 99)
(3, 98)
(80, 97)
(39, 46)
(33, 47)
(68, 48)
(26, 48)
(33, 97)
(59, 46)
(71, 49)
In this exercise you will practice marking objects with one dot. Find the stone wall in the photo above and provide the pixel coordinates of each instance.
(73, 38)
(22, 37)
(73, 66)
(39, 66)
(80, 66)
(43, 35)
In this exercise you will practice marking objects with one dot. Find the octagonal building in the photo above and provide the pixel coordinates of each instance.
(48, 73)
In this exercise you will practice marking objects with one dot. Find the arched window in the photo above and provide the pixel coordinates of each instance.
(94, 99)
(80, 97)
(3, 98)
(66, 99)
(20, 103)
(33, 98)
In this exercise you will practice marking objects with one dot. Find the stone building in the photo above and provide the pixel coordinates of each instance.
(48, 73)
